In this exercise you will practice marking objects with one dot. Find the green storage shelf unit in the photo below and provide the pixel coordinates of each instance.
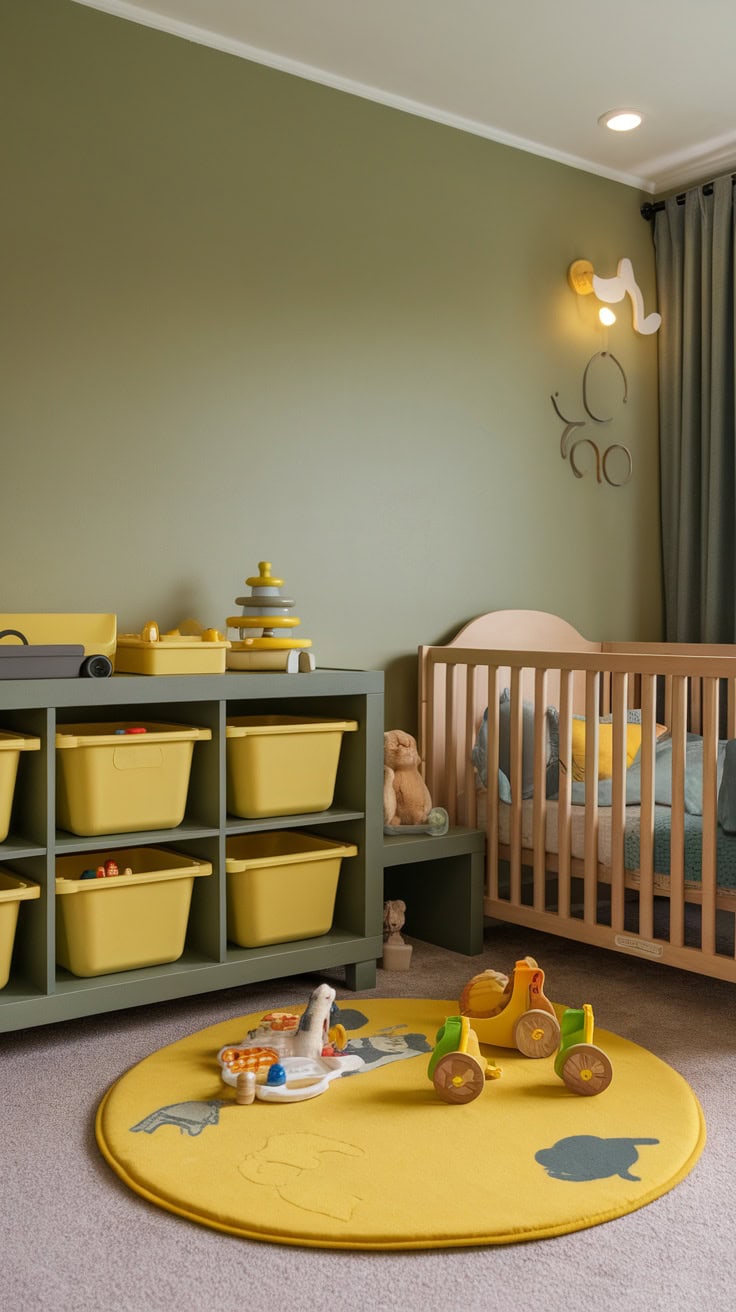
(441, 881)
(40, 991)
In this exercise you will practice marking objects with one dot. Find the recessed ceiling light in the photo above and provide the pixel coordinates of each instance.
(620, 120)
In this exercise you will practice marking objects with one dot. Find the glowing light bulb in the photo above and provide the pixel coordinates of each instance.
(606, 316)
(620, 120)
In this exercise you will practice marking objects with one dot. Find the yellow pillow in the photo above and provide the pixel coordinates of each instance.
(605, 748)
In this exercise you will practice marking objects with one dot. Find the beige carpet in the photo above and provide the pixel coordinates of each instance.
(77, 1240)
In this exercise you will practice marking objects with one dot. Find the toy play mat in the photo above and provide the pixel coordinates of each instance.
(379, 1161)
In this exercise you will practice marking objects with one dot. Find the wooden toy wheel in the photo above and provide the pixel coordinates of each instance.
(586, 1069)
(537, 1033)
(458, 1077)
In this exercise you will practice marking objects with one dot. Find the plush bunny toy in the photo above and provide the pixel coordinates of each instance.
(406, 799)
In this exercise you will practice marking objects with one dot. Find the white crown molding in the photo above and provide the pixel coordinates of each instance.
(688, 168)
(216, 41)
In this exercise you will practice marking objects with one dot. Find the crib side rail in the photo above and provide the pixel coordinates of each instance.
(455, 684)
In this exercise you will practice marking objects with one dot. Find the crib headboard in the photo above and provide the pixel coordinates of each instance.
(500, 630)
(521, 630)
(453, 697)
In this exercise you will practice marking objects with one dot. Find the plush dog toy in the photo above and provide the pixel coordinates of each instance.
(406, 799)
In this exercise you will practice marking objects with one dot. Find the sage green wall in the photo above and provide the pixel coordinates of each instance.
(246, 316)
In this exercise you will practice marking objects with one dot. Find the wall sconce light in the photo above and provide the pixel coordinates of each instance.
(584, 280)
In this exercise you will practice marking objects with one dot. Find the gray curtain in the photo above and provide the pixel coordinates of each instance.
(694, 245)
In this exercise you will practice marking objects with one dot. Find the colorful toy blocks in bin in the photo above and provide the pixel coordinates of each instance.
(281, 886)
(282, 764)
(134, 920)
(11, 746)
(13, 891)
(116, 778)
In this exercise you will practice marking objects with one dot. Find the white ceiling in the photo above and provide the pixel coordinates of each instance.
(534, 74)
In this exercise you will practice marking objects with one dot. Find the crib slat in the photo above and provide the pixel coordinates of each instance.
(467, 738)
(618, 817)
(515, 764)
(563, 804)
(646, 814)
(492, 783)
(677, 831)
(450, 743)
(429, 712)
(710, 815)
(539, 832)
(590, 890)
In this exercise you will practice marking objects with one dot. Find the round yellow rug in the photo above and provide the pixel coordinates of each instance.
(379, 1161)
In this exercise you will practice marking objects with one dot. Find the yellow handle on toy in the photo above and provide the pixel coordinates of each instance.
(338, 1037)
(264, 579)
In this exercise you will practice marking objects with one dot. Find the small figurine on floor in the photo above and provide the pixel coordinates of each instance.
(396, 953)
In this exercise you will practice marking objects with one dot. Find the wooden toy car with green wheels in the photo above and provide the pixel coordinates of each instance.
(457, 1068)
(584, 1068)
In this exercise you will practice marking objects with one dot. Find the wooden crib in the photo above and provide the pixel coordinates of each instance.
(600, 843)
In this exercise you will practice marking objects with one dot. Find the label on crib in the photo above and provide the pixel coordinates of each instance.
(640, 945)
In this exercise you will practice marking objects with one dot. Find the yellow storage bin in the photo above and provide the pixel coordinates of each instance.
(282, 764)
(178, 654)
(113, 780)
(11, 746)
(281, 886)
(13, 891)
(126, 921)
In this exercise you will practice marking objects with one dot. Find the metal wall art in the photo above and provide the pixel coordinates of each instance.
(616, 458)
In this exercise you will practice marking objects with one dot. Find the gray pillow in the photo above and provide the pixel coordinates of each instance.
(479, 754)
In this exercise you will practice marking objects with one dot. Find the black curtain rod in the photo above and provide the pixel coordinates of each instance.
(650, 208)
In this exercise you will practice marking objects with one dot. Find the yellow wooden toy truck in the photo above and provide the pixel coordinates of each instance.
(515, 1013)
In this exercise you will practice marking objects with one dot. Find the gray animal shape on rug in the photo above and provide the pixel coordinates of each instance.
(586, 1157)
(191, 1117)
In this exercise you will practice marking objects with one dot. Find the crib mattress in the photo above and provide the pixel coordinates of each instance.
(726, 843)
